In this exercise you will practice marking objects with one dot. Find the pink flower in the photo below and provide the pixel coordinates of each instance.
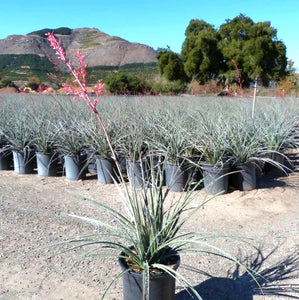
(98, 88)
(56, 46)
(81, 58)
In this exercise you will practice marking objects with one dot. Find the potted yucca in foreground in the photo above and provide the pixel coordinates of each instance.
(147, 238)
(146, 235)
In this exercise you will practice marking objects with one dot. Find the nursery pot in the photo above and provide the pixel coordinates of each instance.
(194, 171)
(23, 161)
(244, 177)
(47, 164)
(122, 161)
(161, 285)
(135, 172)
(106, 170)
(6, 160)
(278, 158)
(91, 163)
(75, 166)
(176, 177)
(215, 178)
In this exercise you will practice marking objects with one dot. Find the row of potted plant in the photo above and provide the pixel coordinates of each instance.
(181, 141)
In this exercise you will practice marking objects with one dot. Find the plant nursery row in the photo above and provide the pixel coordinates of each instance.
(206, 141)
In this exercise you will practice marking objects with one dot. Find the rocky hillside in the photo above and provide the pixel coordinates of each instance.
(101, 49)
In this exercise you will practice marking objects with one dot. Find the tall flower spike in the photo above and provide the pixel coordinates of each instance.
(56, 46)
(80, 78)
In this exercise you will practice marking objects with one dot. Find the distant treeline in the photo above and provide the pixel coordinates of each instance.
(60, 30)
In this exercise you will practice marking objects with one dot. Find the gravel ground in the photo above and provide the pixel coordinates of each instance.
(34, 216)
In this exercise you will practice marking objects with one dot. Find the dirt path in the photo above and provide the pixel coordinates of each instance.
(34, 216)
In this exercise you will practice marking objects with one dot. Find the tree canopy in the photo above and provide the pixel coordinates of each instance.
(239, 45)
(200, 52)
(170, 65)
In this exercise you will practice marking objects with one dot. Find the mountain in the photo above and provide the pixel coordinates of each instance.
(101, 49)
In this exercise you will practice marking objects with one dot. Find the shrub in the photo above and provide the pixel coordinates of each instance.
(7, 83)
(33, 82)
(122, 83)
(212, 87)
(168, 87)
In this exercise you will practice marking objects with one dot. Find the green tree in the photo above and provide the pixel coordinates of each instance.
(291, 69)
(200, 53)
(171, 65)
(255, 49)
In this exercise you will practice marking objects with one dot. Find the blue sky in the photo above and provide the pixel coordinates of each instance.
(156, 23)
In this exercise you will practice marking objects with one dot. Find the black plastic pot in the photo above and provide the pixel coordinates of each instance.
(135, 172)
(75, 166)
(106, 170)
(176, 177)
(6, 160)
(194, 171)
(47, 164)
(272, 168)
(215, 178)
(91, 162)
(23, 161)
(243, 177)
(122, 161)
(161, 285)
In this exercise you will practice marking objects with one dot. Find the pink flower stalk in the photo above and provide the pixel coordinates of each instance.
(98, 88)
(80, 74)
(56, 46)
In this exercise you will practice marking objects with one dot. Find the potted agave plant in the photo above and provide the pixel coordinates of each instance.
(69, 143)
(244, 149)
(6, 160)
(277, 135)
(147, 236)
(132, 143)
(209, 139)
(45, 134)
(95, 141)
(20, 139)
(5, 153)
(215, 168)
(171, 141)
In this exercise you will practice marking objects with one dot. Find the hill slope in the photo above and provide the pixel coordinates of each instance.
(21, 54)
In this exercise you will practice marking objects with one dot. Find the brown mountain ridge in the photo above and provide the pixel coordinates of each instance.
(100, 48)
